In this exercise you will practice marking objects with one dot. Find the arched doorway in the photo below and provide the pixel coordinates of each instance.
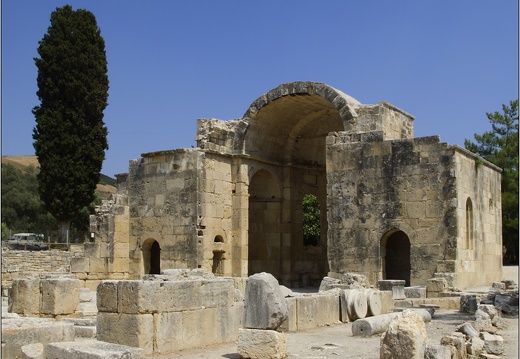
(395, 251)
(151, 256)
(264, 247)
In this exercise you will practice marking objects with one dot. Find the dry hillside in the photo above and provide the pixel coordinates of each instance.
(25, 161)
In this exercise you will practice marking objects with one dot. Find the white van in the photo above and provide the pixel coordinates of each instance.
(29, 241)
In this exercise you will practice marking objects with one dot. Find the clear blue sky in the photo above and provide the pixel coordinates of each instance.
(172, 62)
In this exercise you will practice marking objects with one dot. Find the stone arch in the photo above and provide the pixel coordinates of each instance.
(395, 256)
(289, 123)
(151, 251)
(264, 247)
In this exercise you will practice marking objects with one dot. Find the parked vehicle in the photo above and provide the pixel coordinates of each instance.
(28, 241)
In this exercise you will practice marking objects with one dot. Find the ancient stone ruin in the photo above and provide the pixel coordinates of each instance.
(181, 254)
(392, 206)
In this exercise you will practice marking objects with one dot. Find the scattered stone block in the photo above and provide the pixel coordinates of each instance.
(126, 329)
(456, 342)
(32, 351)
(415, 292)
(85, 331)
(483, 320)
(468, 303)
(405, 337)
(91, 350)
(474, 346)
(498, 286)
(265, 306)
(290, 325)
(489, 309)
(328, 283)
(23, 331)
(394, 285)
(261, 344)
(434, 286)
(437, 352)
(60, 296)
(493, 344)
(24, 296)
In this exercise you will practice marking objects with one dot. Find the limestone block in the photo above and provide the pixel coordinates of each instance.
(306, 312)
(474, 346)
(24, 296)
(265, 306)
(107, 296)
(217, 293)
(405, 337)
(328, 283)
(328, 309)
(91, 249)
(493, 344)
(491, 310)
(437, 352)
(91, 350)
(141, 297)
(261, 344)
(394, 285)
(415, 292)
(168, 330)
(434, 286)
(79, 265)
(456, 342)
(98, 265)
(59, 296)
(482, 319)
(291, 324)
(118, 265)
(85, 331)
(32, 351)
(387, 303)
(23, 331)
(126, 329)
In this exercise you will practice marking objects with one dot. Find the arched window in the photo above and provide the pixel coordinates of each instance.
(469, 224)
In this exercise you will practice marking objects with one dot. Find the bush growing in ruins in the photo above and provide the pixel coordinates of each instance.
(70, 137)
(500, 146)
(311, 220)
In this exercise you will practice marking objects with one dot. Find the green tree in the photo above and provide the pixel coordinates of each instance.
(500, 146)
(311, 220)
(70, 137)
(22, 208)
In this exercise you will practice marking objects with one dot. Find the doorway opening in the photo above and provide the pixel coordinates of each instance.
(396, 264)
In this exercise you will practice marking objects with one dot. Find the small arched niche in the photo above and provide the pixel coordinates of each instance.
(151, 256)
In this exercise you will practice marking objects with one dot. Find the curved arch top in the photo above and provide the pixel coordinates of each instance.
(345, 104)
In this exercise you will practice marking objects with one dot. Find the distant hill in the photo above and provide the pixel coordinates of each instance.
(106, 186)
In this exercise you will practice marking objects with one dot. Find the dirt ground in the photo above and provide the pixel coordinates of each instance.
(336, 341)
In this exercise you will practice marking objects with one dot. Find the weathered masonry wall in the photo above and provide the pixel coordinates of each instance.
(163, 316)
(162, 192)
(479, 203)
(385, 187)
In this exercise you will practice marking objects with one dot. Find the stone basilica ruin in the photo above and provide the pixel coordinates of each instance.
(392, 206)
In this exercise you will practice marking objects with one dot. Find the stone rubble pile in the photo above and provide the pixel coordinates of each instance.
(479, 338)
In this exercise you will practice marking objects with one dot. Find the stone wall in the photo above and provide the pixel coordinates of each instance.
(383, 187)
(164, 315)
(479, 203)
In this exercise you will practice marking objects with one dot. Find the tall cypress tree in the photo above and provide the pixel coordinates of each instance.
(70, 137)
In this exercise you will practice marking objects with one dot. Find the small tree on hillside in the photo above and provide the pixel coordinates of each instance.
(70, 137)
(500, 146)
